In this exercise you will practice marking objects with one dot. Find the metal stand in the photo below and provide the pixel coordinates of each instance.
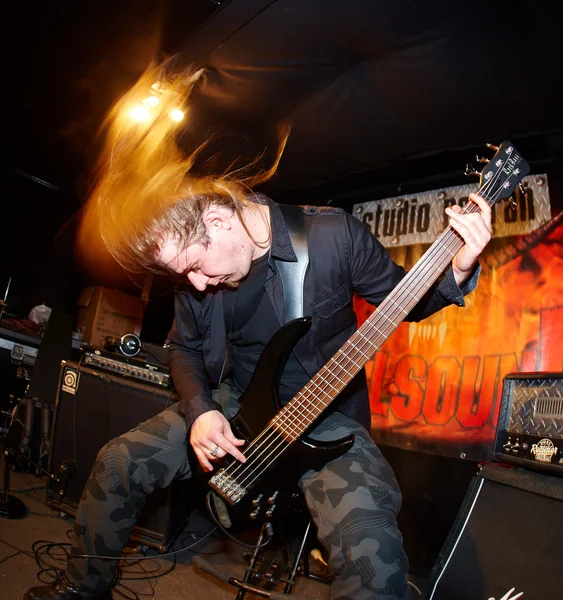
(10, 507)
(269, 568)
(14, 508)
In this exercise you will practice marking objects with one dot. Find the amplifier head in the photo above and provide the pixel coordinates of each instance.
(129, 367)
(530, 425)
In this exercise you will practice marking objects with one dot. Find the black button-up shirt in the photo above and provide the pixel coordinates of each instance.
(344, 258)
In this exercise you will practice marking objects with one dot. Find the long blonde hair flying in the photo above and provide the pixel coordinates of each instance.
(145, 188)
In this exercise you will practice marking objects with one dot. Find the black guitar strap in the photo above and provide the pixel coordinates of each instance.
(293, 273)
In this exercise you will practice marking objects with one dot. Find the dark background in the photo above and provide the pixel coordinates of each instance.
(383, 98)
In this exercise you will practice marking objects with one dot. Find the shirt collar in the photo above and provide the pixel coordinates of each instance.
(281, 246)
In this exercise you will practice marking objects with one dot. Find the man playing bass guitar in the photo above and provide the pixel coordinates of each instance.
(224, 244)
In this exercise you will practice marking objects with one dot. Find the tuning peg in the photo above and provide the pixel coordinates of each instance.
(512, 203)
(482, 160)
(492, 147)
(470, 170)
(521, 188)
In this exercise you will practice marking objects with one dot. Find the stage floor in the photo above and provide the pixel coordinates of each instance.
(42, 525)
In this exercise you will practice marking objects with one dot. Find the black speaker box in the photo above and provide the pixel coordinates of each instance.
(507, 536)
(92, 408)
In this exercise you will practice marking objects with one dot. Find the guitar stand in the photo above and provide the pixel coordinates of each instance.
(268, 568)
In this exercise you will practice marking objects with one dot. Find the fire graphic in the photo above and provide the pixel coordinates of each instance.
(436, 385)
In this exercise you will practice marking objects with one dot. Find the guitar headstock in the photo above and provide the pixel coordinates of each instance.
(502, 173)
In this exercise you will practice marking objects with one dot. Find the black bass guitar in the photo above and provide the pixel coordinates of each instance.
(279, 452)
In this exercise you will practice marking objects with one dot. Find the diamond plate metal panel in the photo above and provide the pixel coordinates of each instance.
(535, 404)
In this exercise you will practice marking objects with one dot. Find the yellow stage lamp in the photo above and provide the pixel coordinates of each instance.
(139, 113)
(152, 101)
(176, 114)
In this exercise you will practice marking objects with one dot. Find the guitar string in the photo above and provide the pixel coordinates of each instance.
(359, 348)
(295, 412)
(346, 357)
(295, 407)
(278, 417)
(277, 437)
(457, 240)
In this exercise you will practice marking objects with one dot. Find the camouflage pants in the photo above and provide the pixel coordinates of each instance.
(354, 501)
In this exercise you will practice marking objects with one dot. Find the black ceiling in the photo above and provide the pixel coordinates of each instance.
(376, 91)
(383, 96)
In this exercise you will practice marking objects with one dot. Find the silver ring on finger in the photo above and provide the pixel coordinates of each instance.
(214, 451)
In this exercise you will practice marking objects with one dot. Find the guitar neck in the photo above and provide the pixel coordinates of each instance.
(325, 386)
(498, 179)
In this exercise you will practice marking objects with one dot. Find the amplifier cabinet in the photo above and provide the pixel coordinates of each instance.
(505, 541)
(530, 425)
(93, 407)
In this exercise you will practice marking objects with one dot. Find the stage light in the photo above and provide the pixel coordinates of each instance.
(176, 114)
(152, 101)
(139, 113)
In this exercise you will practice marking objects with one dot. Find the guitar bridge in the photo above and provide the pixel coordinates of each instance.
(227, 486)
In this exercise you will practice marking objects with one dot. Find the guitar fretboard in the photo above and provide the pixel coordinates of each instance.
(326, 385)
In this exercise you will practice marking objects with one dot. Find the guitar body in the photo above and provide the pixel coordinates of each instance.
(276, 489)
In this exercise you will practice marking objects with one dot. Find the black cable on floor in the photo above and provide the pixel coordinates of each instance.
(211, 553)
(3, 560)
(18, 550)
(51, 558)
(128, 558)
